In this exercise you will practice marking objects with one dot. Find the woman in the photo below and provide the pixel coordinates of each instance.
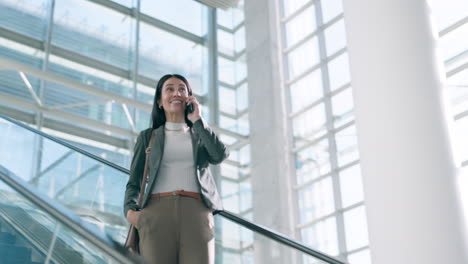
(175, 222)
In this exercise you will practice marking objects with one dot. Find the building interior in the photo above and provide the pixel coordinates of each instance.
(346, 122)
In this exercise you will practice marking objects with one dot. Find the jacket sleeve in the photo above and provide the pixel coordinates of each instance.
(136, 173)
(217, 151)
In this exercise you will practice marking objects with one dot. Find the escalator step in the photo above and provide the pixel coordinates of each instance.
(66, 252)
(72, 256)
(7, 238)
(10, 253)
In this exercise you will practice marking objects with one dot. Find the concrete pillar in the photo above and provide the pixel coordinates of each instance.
(409, 173)
(271, 158)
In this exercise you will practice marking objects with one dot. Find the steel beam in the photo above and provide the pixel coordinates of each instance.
(23, 104)
(55, 78)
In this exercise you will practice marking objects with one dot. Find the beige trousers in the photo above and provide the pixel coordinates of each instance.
(176, 230)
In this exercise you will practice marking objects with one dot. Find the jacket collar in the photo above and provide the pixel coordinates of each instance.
(157, 149)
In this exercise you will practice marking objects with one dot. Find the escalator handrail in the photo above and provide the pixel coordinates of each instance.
(67, 218)
(241, 221)
(278, 237)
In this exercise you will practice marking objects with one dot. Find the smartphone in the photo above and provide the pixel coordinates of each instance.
(190, 108)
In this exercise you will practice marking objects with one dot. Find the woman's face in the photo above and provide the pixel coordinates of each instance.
(173, 95)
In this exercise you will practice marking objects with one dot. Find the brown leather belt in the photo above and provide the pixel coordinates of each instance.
(178, 192)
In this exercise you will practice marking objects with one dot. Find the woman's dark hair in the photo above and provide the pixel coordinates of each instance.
(158, 117)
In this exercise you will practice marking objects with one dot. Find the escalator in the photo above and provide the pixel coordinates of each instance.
(36, 229)
(62, 204)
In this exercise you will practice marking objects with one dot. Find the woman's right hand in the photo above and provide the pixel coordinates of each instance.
(132, 217)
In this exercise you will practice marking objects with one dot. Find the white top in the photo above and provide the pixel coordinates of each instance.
(177, 169)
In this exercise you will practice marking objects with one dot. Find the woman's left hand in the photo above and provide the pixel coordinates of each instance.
(195, 115)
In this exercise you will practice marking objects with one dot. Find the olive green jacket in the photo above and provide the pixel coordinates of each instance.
(207, 149)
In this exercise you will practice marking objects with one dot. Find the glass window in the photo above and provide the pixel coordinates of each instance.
(27, 17)
(142, 120)
(228, 123)
(245, 195)
(454, 43)
(243, 124)
(351, 186)
(235, 100)
(200, 82)
(457, 85)
(13, 85)
(459, 100)
(289, 6)
(247, 257)
(312, 162)
(21, 53)
(94, 31)
(241, 69)
(331, 9)
(300, 26)
(335, 37)
(238, 14)
(342, 105)
(448, 12)
(360, 257)
(89, 76)
(303, 57)
(239, 38)
(229, 171)
(246, 234)
(231, 257)
(145, 93)
(338, 70)
(322, 236)
(226, 102)
(231, 235)
(229, 188)
(316, 200)
(309, 125)
(225, 18)
(346, 145)
(242, 97)
(19, 139)
(227, 139)
(356, 228)
(461, 130)
(230, 195)
(186, 14)
(162, 53)
(58, 95)
(234, 154)
(205, 113)
(245, 171)
(226, 71)
(306, 90)
(225, 42)
(245, 155)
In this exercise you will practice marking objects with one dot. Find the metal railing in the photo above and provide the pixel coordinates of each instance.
(283, 239)
(68, 219)
(278, 237)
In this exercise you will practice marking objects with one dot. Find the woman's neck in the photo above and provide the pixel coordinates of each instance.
(175, 117)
